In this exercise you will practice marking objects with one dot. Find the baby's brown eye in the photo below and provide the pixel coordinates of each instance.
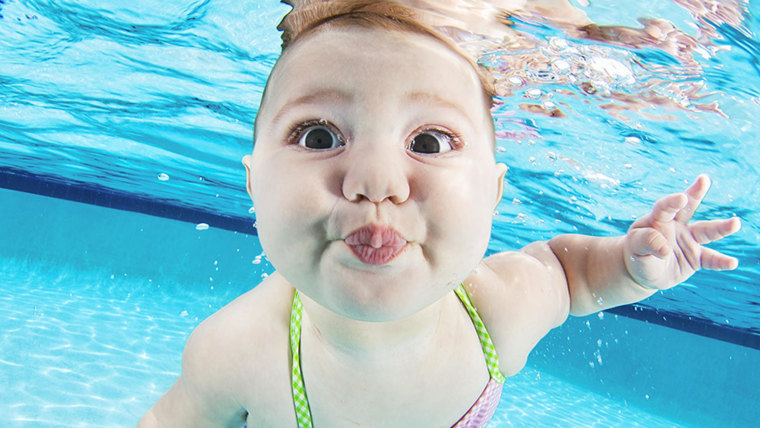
(431, 142)
(319, 138)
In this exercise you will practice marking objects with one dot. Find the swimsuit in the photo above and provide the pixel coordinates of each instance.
(479, 414)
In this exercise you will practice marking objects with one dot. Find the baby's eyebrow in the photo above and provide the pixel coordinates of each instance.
(434, 99)
(331, 95)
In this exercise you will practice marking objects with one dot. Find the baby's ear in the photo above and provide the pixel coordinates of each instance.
(501, 171)
(248, 184)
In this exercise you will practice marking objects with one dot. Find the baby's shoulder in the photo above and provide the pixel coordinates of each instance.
(236, 361)
(246, 339)
(257, 319)
(518, 296)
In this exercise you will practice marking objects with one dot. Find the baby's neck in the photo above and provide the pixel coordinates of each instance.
(377, 341)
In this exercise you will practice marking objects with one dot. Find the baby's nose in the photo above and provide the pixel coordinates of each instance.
(376, 175)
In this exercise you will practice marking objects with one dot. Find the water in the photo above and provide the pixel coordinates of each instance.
(156, 101)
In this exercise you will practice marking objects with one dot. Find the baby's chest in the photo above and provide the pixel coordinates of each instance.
(268, 399)
(436, 391)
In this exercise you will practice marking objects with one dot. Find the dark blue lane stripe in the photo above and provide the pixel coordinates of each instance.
(96, 195)
(691, 324)
(100, 196)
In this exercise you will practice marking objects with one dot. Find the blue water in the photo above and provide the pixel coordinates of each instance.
(155, 101)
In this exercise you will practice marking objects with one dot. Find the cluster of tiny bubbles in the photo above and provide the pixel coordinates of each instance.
(604, 67)
(592, 68)
(598, 353)
(520, 218)
(599, 300)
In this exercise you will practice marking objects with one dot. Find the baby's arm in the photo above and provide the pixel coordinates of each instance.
(660, 251)
(201, 395)
(522, 295)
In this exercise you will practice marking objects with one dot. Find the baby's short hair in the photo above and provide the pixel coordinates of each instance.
(310, 16)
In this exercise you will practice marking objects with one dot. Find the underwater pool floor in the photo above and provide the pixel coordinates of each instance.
(88, 348)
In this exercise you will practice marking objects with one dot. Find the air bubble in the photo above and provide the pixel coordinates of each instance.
(201, 226)
(559, 44)
(163, 177)
(561, 65)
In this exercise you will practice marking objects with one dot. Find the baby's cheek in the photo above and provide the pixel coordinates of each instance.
(290, 212)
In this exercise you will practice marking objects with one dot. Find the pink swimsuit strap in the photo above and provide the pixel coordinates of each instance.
(484, 408)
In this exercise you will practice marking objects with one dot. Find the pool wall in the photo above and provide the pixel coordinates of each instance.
(686, 377)
(81, 235)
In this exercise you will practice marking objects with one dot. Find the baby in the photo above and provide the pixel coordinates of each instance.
(374, 181)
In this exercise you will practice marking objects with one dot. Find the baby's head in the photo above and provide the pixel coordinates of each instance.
(373, 173)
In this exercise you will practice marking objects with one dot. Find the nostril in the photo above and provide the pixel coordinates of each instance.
(375, 182)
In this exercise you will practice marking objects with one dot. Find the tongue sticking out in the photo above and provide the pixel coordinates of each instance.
(375, 245)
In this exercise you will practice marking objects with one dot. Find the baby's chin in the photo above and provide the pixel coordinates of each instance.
(379, 294)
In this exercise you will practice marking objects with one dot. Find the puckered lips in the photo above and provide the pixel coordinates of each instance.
(375, 245)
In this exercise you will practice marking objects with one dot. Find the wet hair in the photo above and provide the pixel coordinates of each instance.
(312, 16)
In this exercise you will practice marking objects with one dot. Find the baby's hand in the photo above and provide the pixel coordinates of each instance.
(662, 249)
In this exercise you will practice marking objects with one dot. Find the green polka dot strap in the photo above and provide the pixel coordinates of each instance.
(303, 412)
(492, 360)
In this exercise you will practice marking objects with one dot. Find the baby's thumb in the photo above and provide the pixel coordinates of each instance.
(648, 242)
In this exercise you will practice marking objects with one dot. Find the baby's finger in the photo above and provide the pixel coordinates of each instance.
(667, 208)
(714, 260)
(705, 232)
(696, 192)
(648, 241)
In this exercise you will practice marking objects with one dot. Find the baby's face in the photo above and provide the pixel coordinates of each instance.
(373, 175)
